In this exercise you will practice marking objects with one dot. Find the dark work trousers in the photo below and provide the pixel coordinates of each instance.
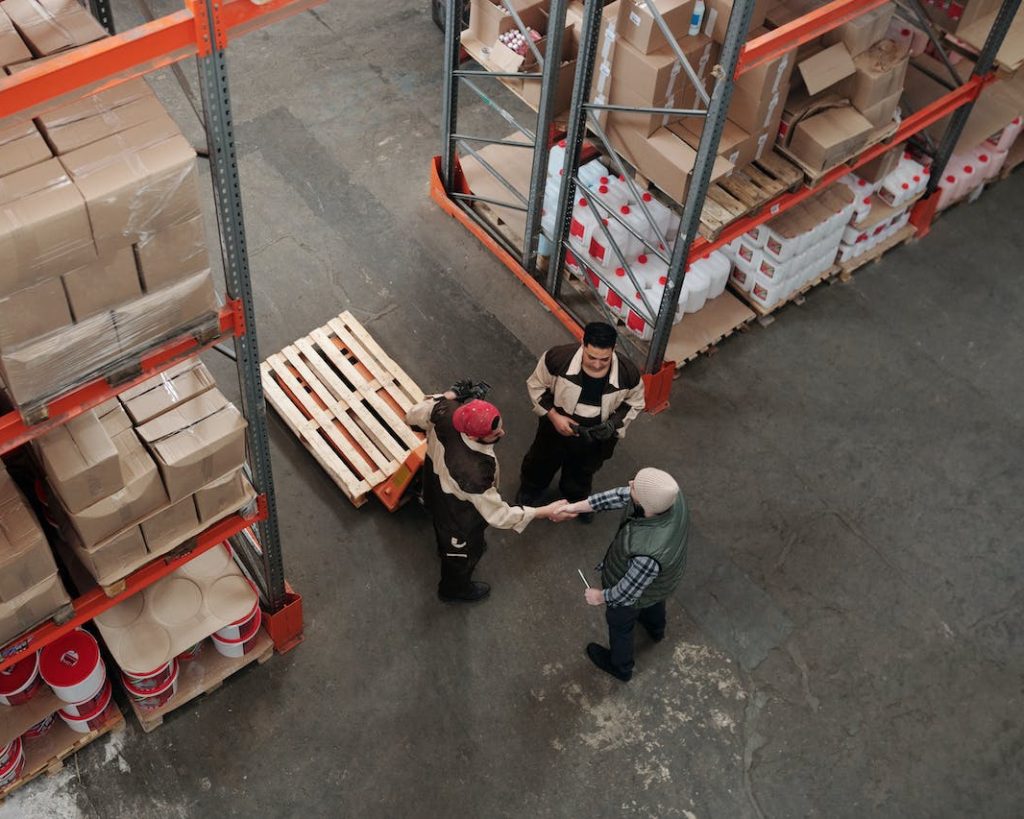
(579, 461)
(459, 555)
(621, 621)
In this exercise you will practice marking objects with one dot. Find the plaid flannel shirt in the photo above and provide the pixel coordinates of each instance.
(642, 570)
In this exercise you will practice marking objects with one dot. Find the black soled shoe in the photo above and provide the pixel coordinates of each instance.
(602, 658)
(657, 636)
(477, 591)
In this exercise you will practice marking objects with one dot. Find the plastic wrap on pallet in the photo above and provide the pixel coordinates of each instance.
(21, 146)
(97, 117)
(172, 253)
(46, 366)
(51, 26)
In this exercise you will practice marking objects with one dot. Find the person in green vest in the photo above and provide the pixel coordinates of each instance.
(643, 565)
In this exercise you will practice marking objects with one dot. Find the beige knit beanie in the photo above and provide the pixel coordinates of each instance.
(655, 490)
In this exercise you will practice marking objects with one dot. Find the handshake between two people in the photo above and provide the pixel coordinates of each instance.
(562, 510)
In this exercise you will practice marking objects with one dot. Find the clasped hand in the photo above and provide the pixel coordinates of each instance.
(557, 511)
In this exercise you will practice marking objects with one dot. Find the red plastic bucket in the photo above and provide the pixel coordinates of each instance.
(150, 698)
(151, 680)
(41, 728)
(14, 766)
(190, 654)
(21, 681)
(72, 667)
(9, 751)
(243, 644)
(84, 723)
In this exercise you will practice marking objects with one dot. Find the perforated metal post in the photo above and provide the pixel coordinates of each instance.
(101, 11)
(228, 198)
(450, 91)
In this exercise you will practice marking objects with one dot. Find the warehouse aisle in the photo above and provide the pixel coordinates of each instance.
(847, 641)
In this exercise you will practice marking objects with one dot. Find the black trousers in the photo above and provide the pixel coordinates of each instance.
(621, 623)
(459, 555)
(579, 461)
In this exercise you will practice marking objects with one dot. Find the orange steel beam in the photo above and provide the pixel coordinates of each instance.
(14, 431)
(802, 30)
(147, 47)
(916, 122)
(95, 601)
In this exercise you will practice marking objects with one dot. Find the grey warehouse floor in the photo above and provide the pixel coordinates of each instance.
(848, 639)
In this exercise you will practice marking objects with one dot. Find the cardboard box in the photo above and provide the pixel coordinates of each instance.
(196, 442)
(50, 26)
(862, 32)
(165, 313)
(115, 557)
(829, 137)
(500, 57)
(50, 364)
(735, 144)
(879, 167)
(488, 19)
(143, 494)
(826, 68)
(84, 122)
(164, 392)
(759, 94)
(170, 527)
(25, 557)
(31, 607)
(44, 226)
(12, 48)
(32, 312)
(878, 74)
(114, 419)
(136, 182)
(21, 146)
(109, 281)
(80, 461)
(636, 24)
(223, 497)
(179, 251)
(716, 17)
(881, 113)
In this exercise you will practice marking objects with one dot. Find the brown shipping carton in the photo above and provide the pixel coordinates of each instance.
(81, 462)
(67, 130)
(500, 57)
(50, 364)
(826, 68)
(165, 313)
(170, 527)
(166, 391)
(637, 26)
(32, 312)
(108, 282)
(94, 104)
(25, 557)
(223, 497)
(44, 226)
(196, 442)
(863, 31)
(50, 26)
(136, 182)
(879, 167)
(12, 48)
(735, 144)
(179, 251)
(21, 146)
(878, 74)
(31, 607)
(142, 495)
(114, 558)
(881, 113)
(488, 19)
(114, 419)
(759, 94)
(825, 139)
(716, 17)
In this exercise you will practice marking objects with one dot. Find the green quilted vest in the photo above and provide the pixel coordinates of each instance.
(662, 537)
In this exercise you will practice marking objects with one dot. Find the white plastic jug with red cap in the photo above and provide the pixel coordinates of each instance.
(719, 267)
(696, 285)
(582, 224)
(590, 174)
(556, 158)
(948, 189)
(1010, 133)
(600, 248)
(661, 214)
(862, 206)
(648, 270)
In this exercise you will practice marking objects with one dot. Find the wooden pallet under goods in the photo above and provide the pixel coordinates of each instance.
(746, 190)
(346, 400)
(795, 297)
(901, 236)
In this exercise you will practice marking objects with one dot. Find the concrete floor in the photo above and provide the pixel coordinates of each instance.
(848, 639)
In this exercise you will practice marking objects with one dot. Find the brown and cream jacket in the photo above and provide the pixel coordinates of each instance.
(557, 383)
(467, 473)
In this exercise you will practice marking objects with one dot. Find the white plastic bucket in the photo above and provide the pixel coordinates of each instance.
(84, 723)
(150, 680)
(71, 665)
(242, 645)
(20, 682)
(152, 698)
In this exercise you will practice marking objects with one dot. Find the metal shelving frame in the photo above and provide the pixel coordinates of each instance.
(202, 29)
(736, 59)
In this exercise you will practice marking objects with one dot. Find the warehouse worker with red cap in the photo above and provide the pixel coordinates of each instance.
(643, 565)
(460, 485)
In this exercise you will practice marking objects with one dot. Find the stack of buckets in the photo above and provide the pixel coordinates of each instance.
(151, 689)
(238, 638)
(73, 668)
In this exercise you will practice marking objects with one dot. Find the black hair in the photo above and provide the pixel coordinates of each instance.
(599, 334)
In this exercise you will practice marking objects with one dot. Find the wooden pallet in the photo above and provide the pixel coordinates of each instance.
(345, 400)
(47, 754)
(203, 675)
(746, 190)
(765, 314)
(901, 236)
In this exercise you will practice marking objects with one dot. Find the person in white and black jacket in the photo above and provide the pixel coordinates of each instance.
(460, 488)
(586, 396)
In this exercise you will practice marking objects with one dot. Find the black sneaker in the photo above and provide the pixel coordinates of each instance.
(602, 658)
(656, 636)
(477, 591)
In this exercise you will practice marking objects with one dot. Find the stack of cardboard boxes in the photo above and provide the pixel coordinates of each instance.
(137, 476)
(30, 590)
(102, 250)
